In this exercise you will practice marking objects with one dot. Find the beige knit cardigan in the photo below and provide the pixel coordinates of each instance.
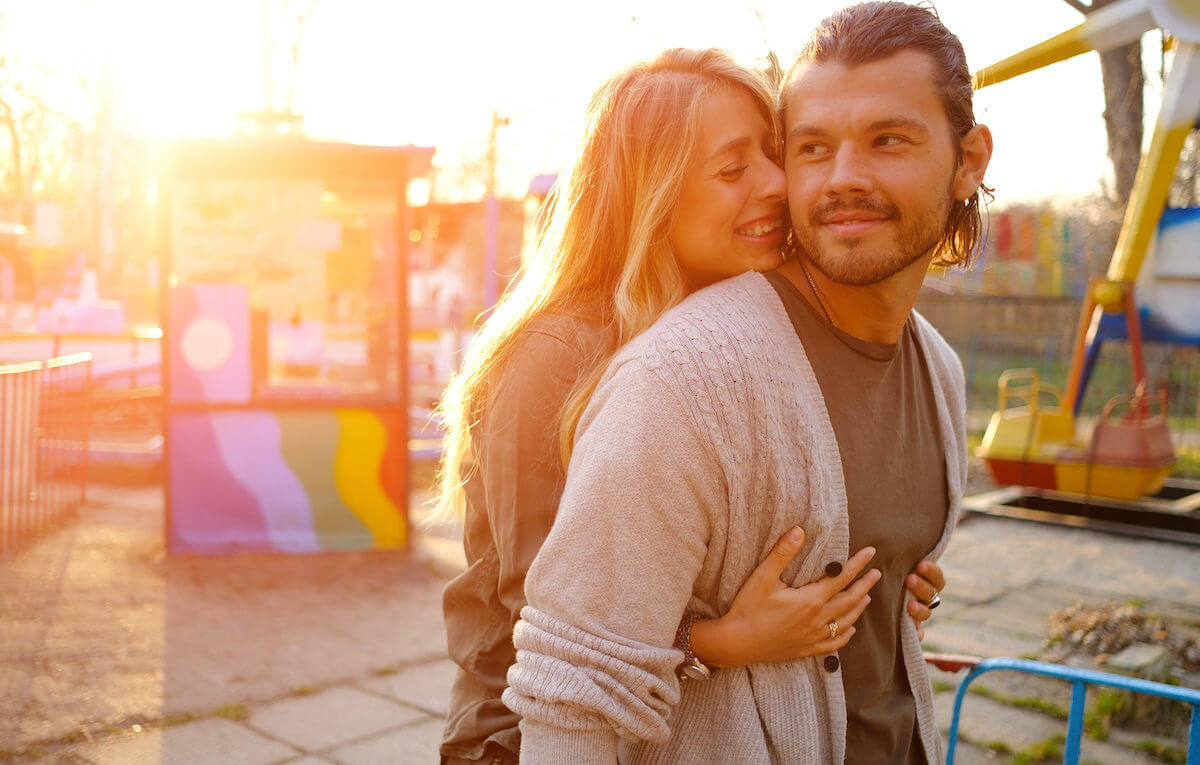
(706, 440)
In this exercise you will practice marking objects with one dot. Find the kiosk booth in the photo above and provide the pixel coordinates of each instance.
(285, 321)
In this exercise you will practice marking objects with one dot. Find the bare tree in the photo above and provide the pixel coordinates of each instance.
(283, 26)
(1121, 71)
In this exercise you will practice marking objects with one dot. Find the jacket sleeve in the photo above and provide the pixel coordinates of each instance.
(520, 467)
(595, 655)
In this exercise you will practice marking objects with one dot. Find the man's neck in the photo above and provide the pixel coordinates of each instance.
(874, 312)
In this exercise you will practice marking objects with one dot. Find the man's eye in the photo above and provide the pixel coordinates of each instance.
(889, 140)
(732, 173)
(812, 149)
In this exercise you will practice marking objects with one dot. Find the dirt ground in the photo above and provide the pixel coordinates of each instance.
(101, 630)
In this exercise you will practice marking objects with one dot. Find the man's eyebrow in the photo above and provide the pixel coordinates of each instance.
(736, 143)
(891, 123)
(898, 123)
(803, 129)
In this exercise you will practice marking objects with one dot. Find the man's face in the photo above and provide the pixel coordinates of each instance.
(871, 167)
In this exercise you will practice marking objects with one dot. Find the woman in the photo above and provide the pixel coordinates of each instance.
(676, 186)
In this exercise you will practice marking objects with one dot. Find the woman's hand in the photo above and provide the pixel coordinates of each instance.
(925, 581)
(770, 621)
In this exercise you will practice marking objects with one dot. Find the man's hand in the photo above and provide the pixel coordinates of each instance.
(925, 581)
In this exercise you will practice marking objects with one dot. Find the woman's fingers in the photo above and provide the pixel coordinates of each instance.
(847, 618)
(767, 573)
(829, 646)
(858, 561)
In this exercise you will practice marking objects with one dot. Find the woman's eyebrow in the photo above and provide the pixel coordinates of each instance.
(736, 143)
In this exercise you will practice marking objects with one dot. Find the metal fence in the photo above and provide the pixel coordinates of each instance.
(44, 413)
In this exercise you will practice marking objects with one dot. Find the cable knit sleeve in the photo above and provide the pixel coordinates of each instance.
(607, 591)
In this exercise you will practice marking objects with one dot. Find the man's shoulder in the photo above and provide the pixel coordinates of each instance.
(942, 358)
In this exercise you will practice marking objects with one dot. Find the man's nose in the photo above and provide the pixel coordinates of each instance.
(848, 174)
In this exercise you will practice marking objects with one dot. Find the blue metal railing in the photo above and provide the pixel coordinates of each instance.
(1080, 679)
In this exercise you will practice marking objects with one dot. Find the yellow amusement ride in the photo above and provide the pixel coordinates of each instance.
(1032, 440)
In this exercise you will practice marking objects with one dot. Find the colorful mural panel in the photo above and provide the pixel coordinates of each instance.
(209, 355)
(287, 481)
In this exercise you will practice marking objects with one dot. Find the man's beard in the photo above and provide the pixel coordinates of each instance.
(860, 264)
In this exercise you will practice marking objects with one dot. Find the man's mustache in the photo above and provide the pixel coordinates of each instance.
(876, 208)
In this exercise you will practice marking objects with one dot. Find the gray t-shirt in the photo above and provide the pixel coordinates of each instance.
(881, 405)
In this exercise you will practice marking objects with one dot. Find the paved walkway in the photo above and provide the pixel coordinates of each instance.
(341, 703)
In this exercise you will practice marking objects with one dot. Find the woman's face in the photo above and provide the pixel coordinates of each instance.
(730, 216)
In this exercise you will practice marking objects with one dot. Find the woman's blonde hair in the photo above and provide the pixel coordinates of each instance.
(605, 253)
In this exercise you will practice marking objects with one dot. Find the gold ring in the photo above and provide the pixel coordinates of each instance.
(833, 630)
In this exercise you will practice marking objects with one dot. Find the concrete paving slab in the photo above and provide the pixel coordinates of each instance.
(969, 754)
(1012, 685)
(985, 721)
(950, 606)
(976, 640)
(424, 685)
(1020, 611)
(215, 741)
(973, 588)
(329, 718)
(412, 745)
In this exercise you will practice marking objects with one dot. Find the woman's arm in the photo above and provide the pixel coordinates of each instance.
(769, 621)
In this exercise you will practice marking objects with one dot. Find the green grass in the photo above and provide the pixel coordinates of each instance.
(1098, 720)
(998, 746)
(178, 719)
(236, 712)
(1050, 750)
(1161, 751)
(1020, 702)
(943, 686)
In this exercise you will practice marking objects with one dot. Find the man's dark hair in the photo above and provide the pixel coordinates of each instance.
(872, 31)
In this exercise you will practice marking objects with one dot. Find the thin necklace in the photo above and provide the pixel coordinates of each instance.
(817, 293)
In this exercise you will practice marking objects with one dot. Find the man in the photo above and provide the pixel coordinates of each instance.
(814, 397)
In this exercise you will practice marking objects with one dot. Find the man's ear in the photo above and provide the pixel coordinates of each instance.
(976, 154)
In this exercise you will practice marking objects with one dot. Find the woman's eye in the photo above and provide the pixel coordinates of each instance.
(732, 173)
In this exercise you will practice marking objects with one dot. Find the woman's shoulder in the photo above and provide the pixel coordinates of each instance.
(554, 344)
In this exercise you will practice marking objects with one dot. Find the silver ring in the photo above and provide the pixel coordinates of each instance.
(933, 602)
(833, 629)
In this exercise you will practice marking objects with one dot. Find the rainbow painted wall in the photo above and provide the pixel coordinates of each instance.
(286, 481)
(294, 476)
